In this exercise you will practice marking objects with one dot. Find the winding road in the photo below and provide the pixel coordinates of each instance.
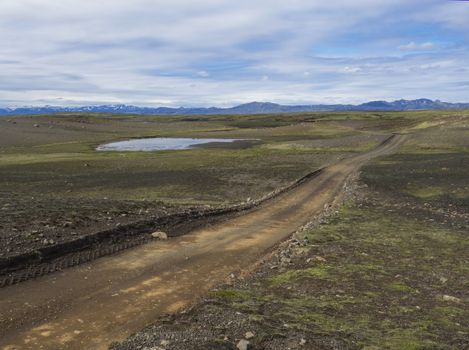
(91, 305)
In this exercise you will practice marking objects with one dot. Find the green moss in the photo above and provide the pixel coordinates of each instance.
(320, 272)
(414, 337)
(401, 287)
(321, 236)
(447, 311)
(426, 192)
(232, 295)
(355, 295)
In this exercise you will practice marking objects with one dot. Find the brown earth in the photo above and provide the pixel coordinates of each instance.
(372, 275)
(89, 306)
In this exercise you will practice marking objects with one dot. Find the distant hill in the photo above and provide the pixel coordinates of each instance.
(248, 108)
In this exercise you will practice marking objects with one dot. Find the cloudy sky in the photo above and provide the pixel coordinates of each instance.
(225, 52)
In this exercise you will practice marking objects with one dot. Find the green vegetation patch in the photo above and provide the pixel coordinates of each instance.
(380, 287)
(293, 276)
(439, 178)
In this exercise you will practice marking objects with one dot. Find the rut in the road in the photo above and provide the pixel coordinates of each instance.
(68, 254)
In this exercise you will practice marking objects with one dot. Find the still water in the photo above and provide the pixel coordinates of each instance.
(159, 144)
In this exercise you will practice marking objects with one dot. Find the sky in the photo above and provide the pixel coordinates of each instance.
(224, 52)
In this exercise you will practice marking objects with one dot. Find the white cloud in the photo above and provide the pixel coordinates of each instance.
(207, 52)
(352, 69)
(453, 14)
(412, 46)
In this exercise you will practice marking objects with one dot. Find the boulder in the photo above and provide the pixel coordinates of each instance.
(160, 235)
(243, 344)
(451, 298)
(249, 335)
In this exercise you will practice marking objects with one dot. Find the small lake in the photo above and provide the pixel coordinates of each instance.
(161, 144)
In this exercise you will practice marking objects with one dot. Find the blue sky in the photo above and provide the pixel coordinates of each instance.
(223, 53)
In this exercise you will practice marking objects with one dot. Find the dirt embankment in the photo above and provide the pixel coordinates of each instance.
(47, 259)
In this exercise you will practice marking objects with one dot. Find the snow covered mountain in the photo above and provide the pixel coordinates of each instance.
(248, 108)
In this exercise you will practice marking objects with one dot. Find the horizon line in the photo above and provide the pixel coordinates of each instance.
(221, 107)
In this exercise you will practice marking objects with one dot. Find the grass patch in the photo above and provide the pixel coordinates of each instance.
(232, 295)
(298, 275)
(426, 192)
(401, 287)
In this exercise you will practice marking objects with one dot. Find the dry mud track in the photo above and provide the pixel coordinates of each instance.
(91, 305)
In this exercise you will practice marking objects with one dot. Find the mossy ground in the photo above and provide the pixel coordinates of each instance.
(382, 285)
(388, 271)
(55, 186)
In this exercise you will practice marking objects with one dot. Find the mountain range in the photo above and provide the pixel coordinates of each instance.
(248, 108)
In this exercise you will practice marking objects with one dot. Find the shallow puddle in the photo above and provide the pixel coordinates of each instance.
(160, 144)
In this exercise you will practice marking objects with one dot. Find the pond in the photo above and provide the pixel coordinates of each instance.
(161, 144)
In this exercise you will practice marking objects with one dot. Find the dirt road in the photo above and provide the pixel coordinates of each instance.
(91, 305)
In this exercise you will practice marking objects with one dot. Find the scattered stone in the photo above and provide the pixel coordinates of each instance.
(165, 342)
(159, 235)
(316, 258)
(36, 125)
(249, 335)
(48, 241)
(243, 344)
(302, 342)
(451, 299)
